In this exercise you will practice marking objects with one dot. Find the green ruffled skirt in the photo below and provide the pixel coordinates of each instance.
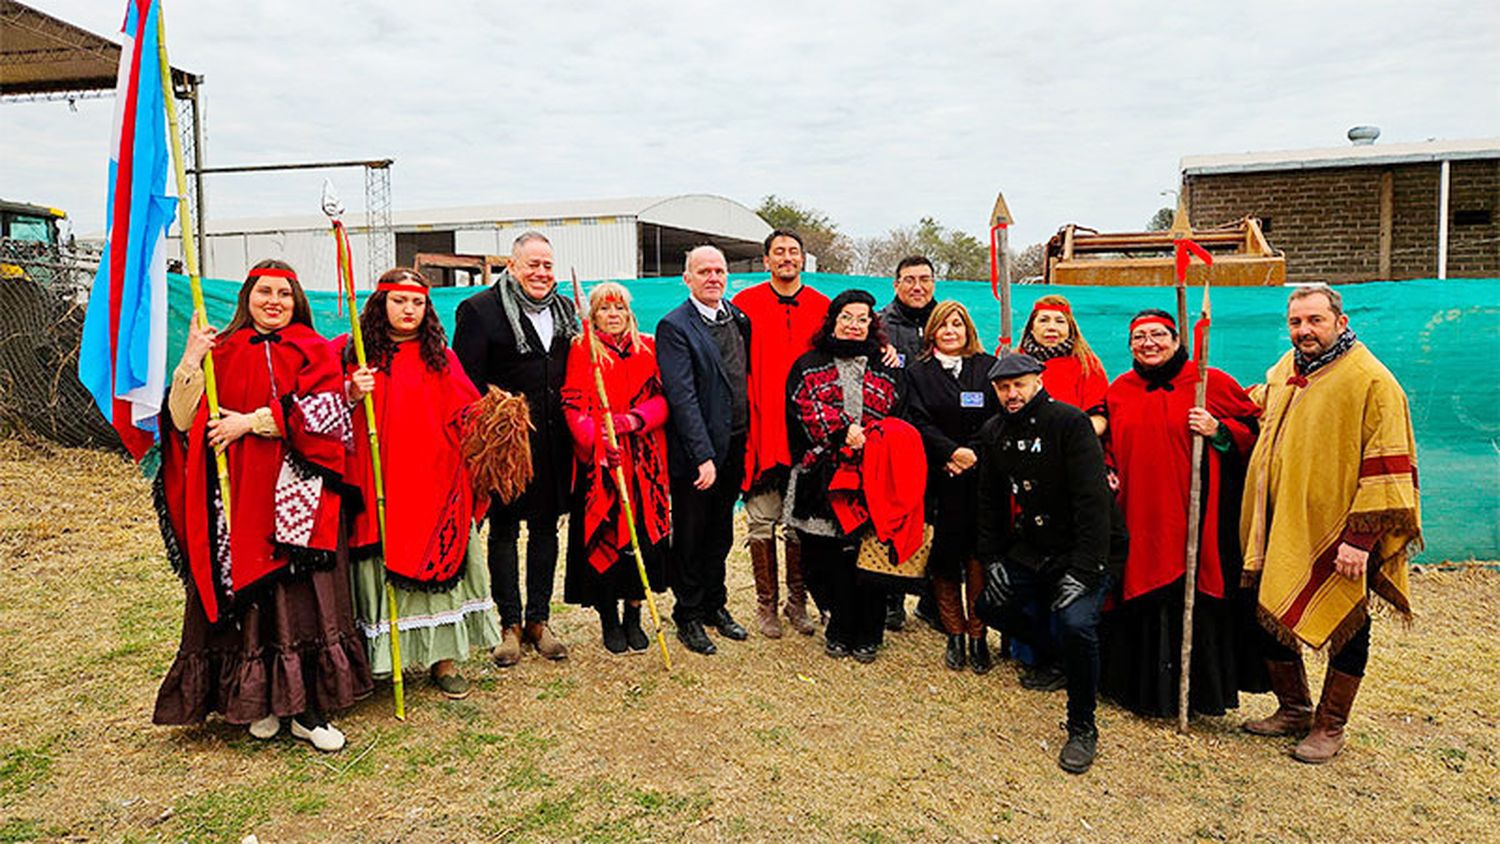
(434, 625)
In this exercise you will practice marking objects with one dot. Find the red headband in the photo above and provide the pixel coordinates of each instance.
(1051, 306)
(397, 287)
(1149, 319)
(273, 272)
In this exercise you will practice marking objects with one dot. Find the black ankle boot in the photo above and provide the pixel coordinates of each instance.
(635, 637)
(953, 657)
(614, 634)
(979, 655)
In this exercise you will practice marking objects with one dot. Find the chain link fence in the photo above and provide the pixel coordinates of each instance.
(43, 292)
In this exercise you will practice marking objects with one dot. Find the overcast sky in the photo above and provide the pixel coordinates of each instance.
(877, 113)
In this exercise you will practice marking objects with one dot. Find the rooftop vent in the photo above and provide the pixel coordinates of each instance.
(1363, 136)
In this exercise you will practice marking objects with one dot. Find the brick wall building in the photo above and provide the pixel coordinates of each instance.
(1361, 213)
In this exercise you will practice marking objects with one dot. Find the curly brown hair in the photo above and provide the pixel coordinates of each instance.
(376, 327)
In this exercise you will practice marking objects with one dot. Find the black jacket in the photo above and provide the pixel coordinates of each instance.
(486, 346)
(949, 412)
(903, 333)
(698, 390)
(1048, 458)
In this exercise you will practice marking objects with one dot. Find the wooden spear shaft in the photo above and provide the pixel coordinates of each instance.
(190, 250)
(627, 511)
(356, 337)
(1195, 521)
(1000, 221)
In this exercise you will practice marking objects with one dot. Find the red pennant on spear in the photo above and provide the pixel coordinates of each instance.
(1000, 266)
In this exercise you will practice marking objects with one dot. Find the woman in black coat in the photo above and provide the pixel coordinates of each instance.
(951, 399)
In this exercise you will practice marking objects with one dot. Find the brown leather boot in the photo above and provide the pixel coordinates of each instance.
(796, 592)
(1327, 736)
(763, 565)
(508, 652)
(539, 636)
(1294, 710)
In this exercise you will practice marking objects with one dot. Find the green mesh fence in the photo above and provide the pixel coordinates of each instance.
(1440, 338)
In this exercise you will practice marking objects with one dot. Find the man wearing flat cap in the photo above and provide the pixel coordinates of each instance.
(1050, 536)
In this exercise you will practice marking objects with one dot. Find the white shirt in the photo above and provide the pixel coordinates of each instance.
(542, 322)
(708, 314)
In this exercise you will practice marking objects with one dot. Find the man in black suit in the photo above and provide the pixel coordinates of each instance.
(515, 335)
(702, 349)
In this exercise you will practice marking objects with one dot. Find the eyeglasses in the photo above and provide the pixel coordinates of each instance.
(1158, 336)
(914, 279)
(851, 319)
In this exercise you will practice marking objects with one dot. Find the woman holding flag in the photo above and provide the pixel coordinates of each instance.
(268, 631)
(601, 570)
(421, 396)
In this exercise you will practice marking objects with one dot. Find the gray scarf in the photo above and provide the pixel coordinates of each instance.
(515, 301)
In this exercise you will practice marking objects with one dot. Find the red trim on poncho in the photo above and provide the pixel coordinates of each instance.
(429, 499)
(1064, 379)
(302, 365)
(633, 383)
(781, 330)
(886, 488)
(1151, 447)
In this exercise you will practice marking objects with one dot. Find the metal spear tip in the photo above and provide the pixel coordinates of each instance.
(331, 204)
(1000, 215)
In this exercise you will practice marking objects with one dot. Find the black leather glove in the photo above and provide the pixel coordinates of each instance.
(997, 592)
(1067, 590)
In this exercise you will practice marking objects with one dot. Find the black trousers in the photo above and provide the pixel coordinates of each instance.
(856, 605)
(702, 536)
(1350, 659)
(1069, 636)
(505, 566)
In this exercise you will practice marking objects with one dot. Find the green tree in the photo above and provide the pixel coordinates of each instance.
(954, 254)
(821, 237)
(1161, 220)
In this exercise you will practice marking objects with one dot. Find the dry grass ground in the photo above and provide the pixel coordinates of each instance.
(767, 740)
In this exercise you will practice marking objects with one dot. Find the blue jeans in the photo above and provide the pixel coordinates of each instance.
(1068, 637)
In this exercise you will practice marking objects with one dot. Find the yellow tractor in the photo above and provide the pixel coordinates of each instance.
(27, 233)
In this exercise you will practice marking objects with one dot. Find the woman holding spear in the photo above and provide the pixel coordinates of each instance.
(421, 397)
(268, 631)
(601, 566)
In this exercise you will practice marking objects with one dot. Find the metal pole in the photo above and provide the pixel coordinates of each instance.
(205, 259)
(1442, 256)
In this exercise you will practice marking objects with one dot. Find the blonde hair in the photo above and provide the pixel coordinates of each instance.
(940, 313)
(617, 292)
(1087, 360)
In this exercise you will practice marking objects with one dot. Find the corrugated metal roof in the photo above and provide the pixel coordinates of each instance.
(1344, 156)
(708, 213)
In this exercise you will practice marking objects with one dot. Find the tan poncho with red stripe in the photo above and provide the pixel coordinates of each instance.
(1335, 459)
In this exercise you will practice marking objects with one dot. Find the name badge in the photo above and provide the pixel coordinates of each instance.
(971, 398)
(900, 360)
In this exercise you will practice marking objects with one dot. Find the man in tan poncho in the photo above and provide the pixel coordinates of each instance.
(1330, 515)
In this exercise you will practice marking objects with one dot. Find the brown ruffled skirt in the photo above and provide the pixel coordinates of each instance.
(292, 648)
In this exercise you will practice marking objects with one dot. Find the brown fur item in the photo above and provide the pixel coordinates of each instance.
(497, 444)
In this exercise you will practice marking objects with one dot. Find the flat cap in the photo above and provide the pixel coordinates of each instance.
(1014, 364)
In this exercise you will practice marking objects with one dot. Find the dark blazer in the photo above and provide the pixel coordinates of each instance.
(486, 346)
(938, 410)
(697, 387)
(1048, 458)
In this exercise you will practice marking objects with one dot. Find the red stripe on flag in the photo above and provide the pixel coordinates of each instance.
(1395, 464)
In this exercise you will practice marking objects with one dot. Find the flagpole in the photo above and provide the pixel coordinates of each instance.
(345, 261)
(627, 512)
(190, 250)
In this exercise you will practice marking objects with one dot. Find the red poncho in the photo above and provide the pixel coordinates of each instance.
(429, 501)
(633, 383)
(284, 507)
(781, 330)
(1151, 447)
(1066, 382)
(886, 488)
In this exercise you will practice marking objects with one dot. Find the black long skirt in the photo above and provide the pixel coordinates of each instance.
(586, 586)
(1141, 653)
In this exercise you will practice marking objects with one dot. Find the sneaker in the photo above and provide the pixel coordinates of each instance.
(453, 685)
(864, 654)
(1043, 678)
(324, 736)
(1077, 755)
(266, 728)
(836, 650)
